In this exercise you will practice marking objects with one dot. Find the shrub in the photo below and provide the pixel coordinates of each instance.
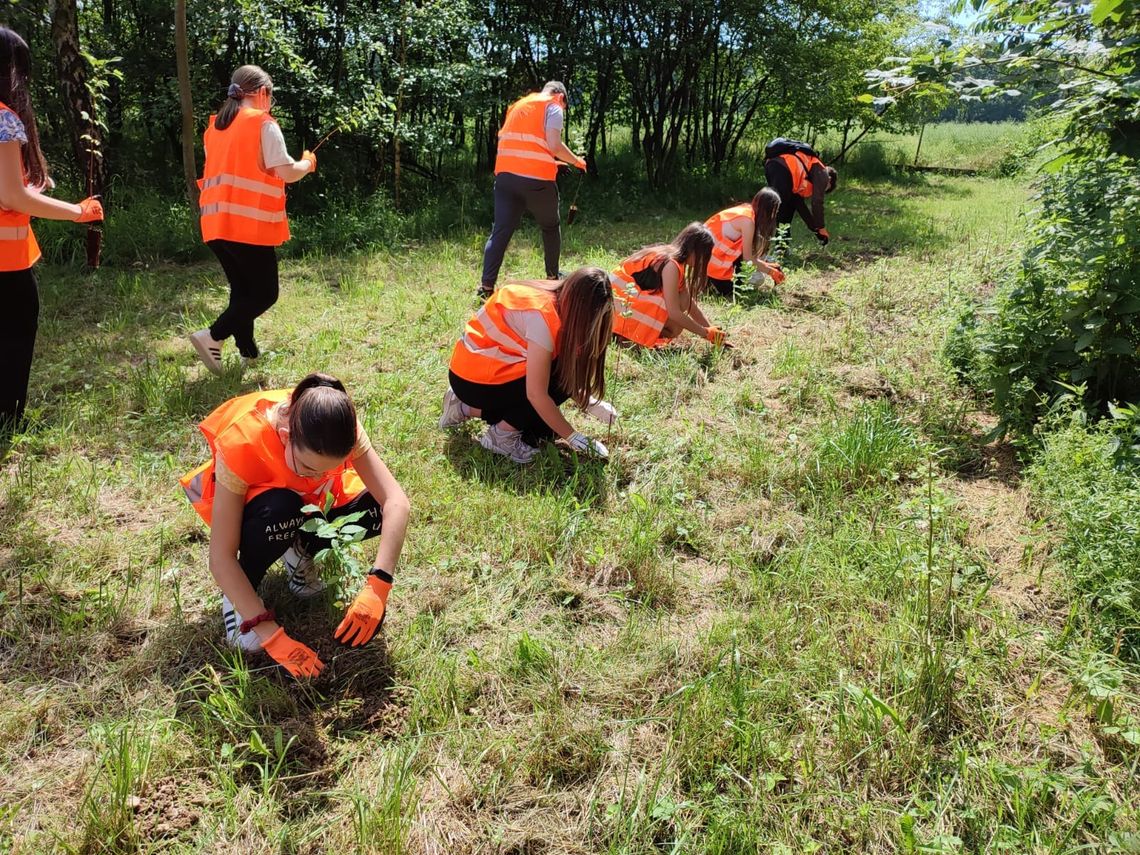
(1090, 490)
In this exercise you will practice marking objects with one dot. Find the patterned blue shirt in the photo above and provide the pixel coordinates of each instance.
(11, 128)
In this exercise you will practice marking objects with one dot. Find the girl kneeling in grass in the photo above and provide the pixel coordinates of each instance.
(272, 453)
(530, 347)
(655, 290)
(23, 180)
(743, 232)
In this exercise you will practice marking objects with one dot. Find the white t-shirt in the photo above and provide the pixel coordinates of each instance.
(555, 117)
(273, 150)
(530, 324)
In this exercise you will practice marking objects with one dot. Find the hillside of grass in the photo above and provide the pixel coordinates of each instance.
(805, 607)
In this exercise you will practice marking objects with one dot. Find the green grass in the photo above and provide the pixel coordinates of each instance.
(781, 619)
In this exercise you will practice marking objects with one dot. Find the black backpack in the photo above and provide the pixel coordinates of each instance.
(783, 145)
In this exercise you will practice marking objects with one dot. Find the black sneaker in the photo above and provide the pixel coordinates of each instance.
(484, 291)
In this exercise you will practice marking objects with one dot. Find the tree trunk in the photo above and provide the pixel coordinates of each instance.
(86, 135)
(186, 99)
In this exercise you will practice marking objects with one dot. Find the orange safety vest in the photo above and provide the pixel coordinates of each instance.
(522, 140)
(240, 430)
(640, 315)
(725, 252)
(240, 201)
(800, 170)
(18, 247)
(490, 351)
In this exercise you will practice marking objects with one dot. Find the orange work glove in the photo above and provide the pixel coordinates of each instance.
(312, 158)
(366, 614)
(581, 164)
(778, 275)
(293, 656)
(823, 236)
(715, 335)
(90, 211)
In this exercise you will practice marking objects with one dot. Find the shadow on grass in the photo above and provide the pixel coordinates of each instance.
(555, 469)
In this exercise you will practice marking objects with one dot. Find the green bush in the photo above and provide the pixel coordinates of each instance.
(1090, 490)
(1072, 316)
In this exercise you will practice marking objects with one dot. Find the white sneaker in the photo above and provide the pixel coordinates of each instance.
(508, 443)
(452, 411)
(603, 411)
(247, 641)
(209, 351)
(304, 579)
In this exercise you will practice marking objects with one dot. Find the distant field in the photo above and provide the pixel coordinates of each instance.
(965, 145)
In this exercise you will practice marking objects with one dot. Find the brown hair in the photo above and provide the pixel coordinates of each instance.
(765, 209)
(322, 418)
(555, 87)
(585, 307)
(832, 179)
(15, 86)
(247, 80)
(692, 247)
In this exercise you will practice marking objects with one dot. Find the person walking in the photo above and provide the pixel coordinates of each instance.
(743, 232)
(532, 346)
(526, 173)
(23, 181)
(794, 170)
(242, 209)
(272, 454)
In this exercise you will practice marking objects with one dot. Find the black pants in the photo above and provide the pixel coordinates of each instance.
(507, 402)
(513, 195)
(271, 521)
(22, 310)
(252, 274)
(779, 178)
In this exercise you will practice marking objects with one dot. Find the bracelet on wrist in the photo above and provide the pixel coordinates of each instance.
(265, 617)
(382, 574)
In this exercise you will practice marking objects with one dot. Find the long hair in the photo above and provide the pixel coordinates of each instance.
(15, 85)
(765, 209)
(246, 81)
(585, 307)
(322, 417)
(692, 247)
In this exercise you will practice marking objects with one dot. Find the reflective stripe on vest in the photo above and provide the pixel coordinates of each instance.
(240, 201)
(263, 187)
(639, 315)
(522, 140)
(800, 172)
(18, 247)
(240, 430)
(725, 253)
(490, 351)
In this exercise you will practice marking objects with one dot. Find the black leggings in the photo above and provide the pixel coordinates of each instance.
(272, 519)
(252, 274)
(22, 305)
(507, 402)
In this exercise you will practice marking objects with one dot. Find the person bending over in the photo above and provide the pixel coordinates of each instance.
(743, 232)
(794, 170)
(655, 290)
(271, 454)
(532, 346)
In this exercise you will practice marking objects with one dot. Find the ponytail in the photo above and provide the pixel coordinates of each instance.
(247, 80)
(322, 417)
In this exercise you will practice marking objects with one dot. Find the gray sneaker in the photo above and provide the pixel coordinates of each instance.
(304, 579)
(508, 443)
(453, 414)
(247, 641)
